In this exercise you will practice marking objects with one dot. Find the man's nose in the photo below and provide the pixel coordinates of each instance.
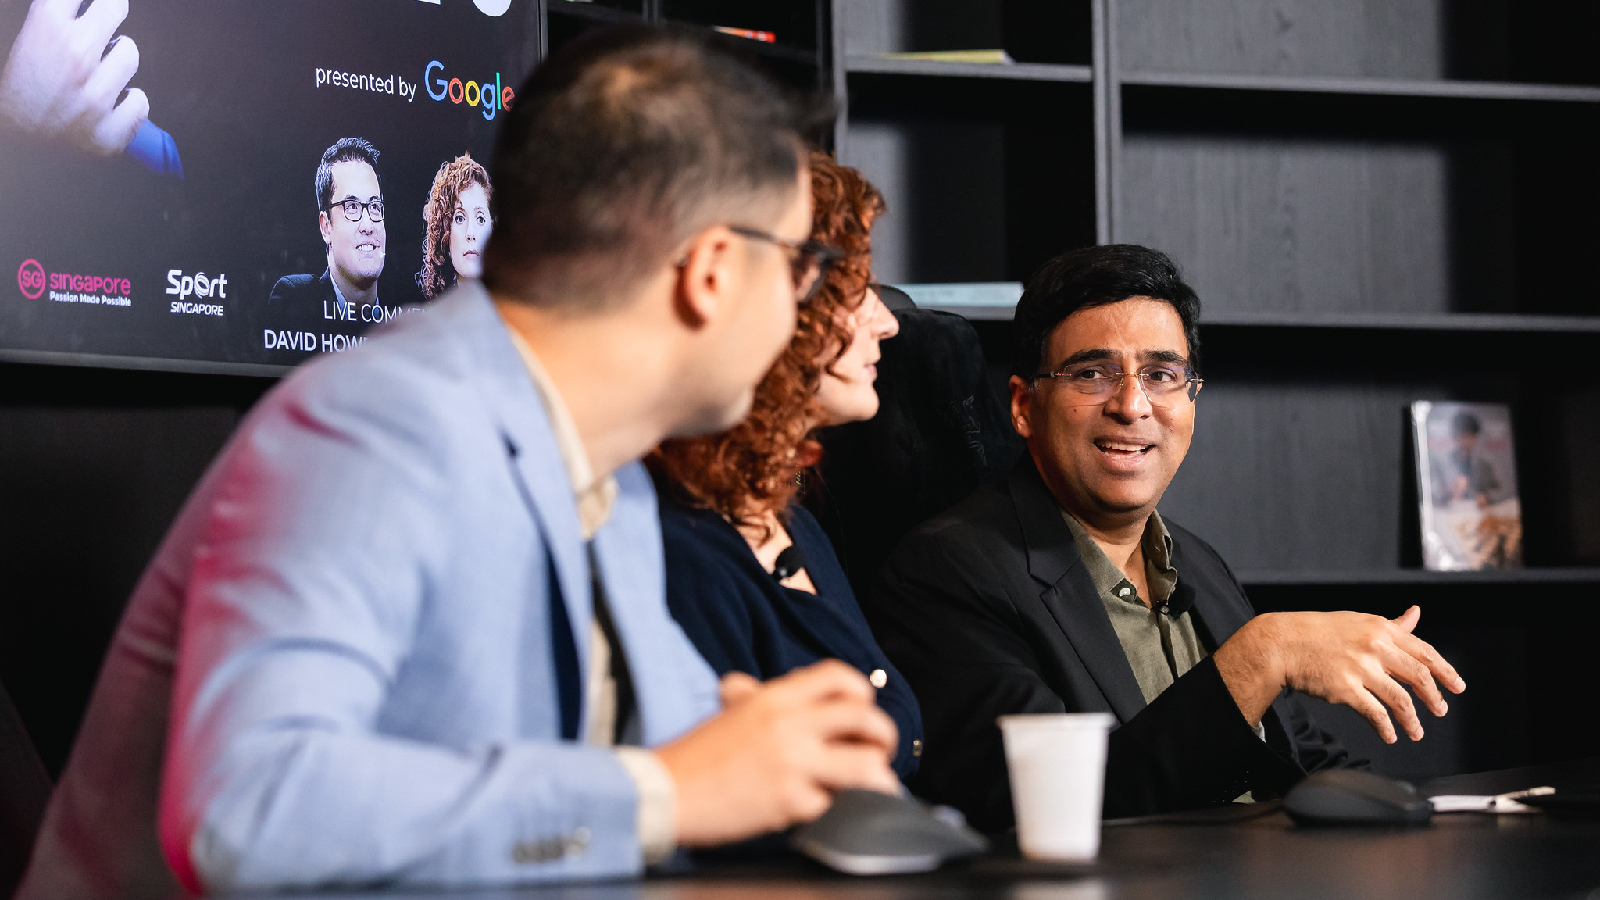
(1128, 400)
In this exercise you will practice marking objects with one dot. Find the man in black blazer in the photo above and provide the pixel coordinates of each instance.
(1063, 590)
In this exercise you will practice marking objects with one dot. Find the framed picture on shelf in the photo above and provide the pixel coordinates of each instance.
(1467, 485)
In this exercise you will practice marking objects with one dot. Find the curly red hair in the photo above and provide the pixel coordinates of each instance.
(752, 468)
(438, 273)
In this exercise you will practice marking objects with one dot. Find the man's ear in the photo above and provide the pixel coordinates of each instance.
(325, 225)
(1021, 407)
(705, 276)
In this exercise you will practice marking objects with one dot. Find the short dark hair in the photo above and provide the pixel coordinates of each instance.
(343, 150)
(1466, 423)
(621, 145)
(1097, 276)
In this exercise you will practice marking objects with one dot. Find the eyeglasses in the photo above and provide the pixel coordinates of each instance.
(809, 261)
(354, 207)
(1163, 383)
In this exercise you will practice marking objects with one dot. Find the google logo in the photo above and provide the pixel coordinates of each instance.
(491, 97)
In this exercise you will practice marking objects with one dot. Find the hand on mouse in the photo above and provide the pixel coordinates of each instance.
(1355, 659)
(777, 752)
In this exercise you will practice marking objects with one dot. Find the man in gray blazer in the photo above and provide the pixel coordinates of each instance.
(410, 627)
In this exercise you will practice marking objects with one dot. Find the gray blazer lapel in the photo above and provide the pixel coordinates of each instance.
(534, 456)
(1068, 591)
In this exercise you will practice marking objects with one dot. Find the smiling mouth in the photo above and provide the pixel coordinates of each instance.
(1123, 448)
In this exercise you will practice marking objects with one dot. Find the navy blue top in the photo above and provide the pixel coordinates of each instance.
(742, 620)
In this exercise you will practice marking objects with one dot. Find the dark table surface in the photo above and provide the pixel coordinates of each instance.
(1240, 852)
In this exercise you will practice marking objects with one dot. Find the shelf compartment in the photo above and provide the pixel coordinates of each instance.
(1030, 31)
(1328, 204)
(981, 187)
(878, 65)
(1529, 41)
(1301, 457)
(608, 11)
(985, 302)
(771, 50)
(1443, 322)
(565, 20)
(1378, 87)
(795, 24)
(1540, 576)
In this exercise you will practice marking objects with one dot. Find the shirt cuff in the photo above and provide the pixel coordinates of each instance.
(658, 803)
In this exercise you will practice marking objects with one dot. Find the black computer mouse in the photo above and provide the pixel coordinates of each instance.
(1352, 797)
(868, 833)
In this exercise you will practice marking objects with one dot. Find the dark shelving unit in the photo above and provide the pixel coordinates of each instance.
(876, 65)
(1572, 576)
(1392, 87)
(1378, 203)
(1405, 180)
(798, 55)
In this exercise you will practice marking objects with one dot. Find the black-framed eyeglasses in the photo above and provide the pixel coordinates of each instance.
(353, 209)
(1165, 384)
(809, 261)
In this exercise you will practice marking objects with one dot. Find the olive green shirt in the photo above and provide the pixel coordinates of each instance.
(1160, 647)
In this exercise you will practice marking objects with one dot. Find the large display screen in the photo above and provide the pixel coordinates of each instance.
(306, 169)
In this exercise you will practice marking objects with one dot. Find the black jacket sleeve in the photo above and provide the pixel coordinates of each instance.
(945, 622)
(1191, 748)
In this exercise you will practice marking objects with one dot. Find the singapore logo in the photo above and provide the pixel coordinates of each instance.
(30, 279)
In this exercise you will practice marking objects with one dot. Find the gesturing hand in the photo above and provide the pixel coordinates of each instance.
(777, 752)
(62, 82)
(1342, 657)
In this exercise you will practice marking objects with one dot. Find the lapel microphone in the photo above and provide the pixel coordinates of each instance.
(790, 561)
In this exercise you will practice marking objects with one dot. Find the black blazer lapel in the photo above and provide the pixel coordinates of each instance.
(1068, 591)
(1218, 610)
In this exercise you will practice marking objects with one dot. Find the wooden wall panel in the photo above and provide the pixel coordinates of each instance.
(944, 181)
(1284, 225)
(878, 26)
(1374, 38)
(1296, 476)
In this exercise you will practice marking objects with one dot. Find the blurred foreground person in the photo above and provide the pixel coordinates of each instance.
(411, 623)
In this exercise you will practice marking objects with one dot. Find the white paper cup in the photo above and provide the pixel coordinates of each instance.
(1058, 766)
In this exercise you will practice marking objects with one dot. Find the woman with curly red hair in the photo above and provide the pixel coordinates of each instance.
(458, 226)
(751, 577)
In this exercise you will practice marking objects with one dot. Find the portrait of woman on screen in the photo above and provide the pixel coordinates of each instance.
(459, 224)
